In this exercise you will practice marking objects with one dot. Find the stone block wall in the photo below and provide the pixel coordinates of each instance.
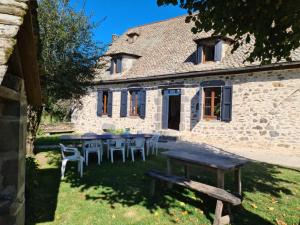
(265, 111)
(86, 119)
(13, 120)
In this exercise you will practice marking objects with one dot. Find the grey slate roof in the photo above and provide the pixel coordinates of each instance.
(168, 47)
(11, 18)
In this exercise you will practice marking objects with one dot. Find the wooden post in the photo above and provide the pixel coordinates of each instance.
(238, 180)
(169, 171)
(152, 188)
(218, 213)
(186, 171)
(220, 178)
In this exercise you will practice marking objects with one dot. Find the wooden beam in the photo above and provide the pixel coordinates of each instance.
(218, 213)
(214, 192)
(238, 180)
(28, 53)
(9, 94)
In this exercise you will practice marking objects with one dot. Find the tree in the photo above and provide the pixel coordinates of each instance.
(275, 24)
(68, 58)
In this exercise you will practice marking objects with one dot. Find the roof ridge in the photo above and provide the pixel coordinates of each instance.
(159, 21)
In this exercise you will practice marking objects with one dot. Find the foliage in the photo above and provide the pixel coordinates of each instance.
(68, 58)
(116, 131)
(118, 193)
(69, 54)
(47, 140)
(274, 24)
(34, 118)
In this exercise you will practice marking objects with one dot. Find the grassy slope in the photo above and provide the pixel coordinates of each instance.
(119, 194)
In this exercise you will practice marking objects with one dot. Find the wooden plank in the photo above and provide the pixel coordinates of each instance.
(152, 187)
(9, 94)
(220, 178)
(169, 171)
(219, 160)
(187, 171)
(238, 180)
(218, 213)
(28, 53)
(204, 188)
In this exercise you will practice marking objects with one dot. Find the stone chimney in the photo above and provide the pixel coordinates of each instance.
(114, 37)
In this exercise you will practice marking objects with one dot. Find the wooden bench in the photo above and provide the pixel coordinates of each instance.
(57, 128)
(221, 195)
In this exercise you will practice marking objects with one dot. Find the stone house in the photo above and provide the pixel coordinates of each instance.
(161, 76)
(19, 86)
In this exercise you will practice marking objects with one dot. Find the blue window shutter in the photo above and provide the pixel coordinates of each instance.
(100, 103)
(218, 51)
(143, 104)
(199, 54)
(165, 111)
(112, 66)
(123, 109)
(199, 111)
(109, 103)
(226, 113)
(119, 65)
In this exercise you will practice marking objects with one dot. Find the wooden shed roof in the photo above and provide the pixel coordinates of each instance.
(19, 29)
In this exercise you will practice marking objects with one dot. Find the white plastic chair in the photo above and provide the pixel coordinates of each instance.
(139, 144)
(152, 144)
(118, 146)
(74, 157)
(92, 146)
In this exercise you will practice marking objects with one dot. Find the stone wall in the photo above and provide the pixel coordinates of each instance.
(13, 120)
(265, 112)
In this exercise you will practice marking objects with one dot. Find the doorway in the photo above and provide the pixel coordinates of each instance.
(174, 112)
(171, 109)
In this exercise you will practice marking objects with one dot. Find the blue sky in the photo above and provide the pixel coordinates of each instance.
(123, 14)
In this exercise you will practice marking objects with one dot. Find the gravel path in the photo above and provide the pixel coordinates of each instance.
(286, 158)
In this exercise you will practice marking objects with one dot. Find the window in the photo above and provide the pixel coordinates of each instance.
(116, 65)
(209, 50)
(104, 102)
(208, 53)
(212, 103)
(215, 100)
(137, 103)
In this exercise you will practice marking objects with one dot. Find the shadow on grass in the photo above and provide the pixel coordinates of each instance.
(126, 184)
(42, 200)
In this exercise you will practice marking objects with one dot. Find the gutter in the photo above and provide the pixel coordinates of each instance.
(193, 74)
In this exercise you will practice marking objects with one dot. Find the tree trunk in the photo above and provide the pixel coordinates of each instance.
(34, 119)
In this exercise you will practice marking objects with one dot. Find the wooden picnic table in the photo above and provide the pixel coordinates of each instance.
(102, 137)
(216, 161)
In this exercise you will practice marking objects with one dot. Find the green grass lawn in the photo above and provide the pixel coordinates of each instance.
(118, 193)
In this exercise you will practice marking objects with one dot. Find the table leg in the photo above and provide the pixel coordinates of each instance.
(238, 180)
(169, 171)
(220, 178)
(187, 171)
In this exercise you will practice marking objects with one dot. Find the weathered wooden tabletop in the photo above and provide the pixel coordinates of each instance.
(102, 137)
(216, 160)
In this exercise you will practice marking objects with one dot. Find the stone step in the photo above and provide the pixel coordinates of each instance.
(169, 135)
